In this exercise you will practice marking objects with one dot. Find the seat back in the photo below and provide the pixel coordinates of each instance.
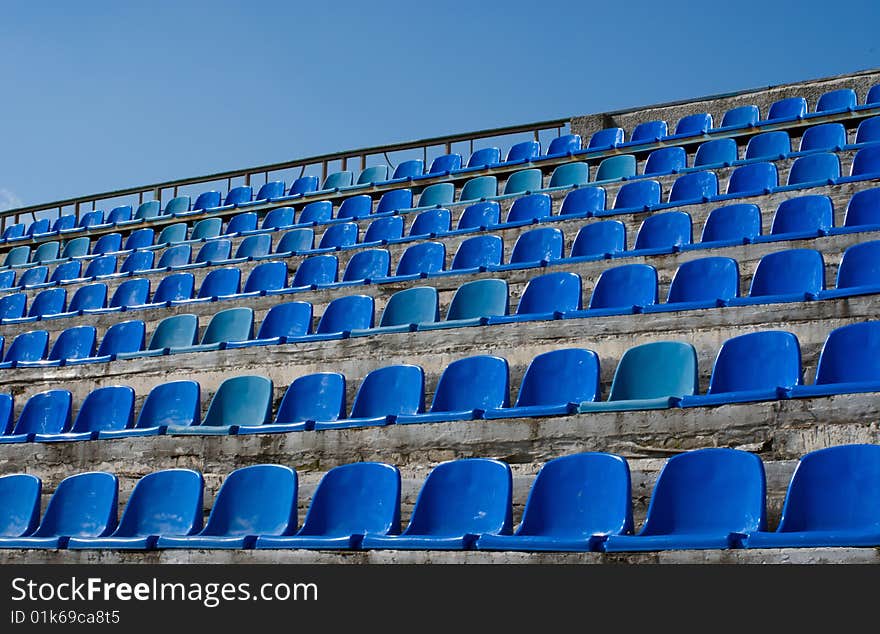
(241, 400)
(625, 286)
(355, 207)
(705, 279)
(317, 270)
(177, 331)
(788, 272)
(484, 250)
(538, 245)
(480, 298)
(291, 319)
(123, 336)
(83, 505)
(28, 346)
(255, 500)
(531, 208)
(19, 504)
(600, 238)
(174, 287)
(757, 361)
(392, 390)
(732, 222)
(167, 502)
(568, 375)
(105, 408)
(480, 215)
(411, 306)
(220, 282)
(343, 314)
(232, 324)
(850, 354)
(45, 413)
(173, 403)
(479, 188)
(268, 276)
(74, 343)
(313, 397)
(368, 264)
(474, 383)
(132, 292)
(665, 231)
(524, 181)
(551, 292)
(656, 370)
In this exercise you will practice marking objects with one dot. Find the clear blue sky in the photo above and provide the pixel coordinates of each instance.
(100, 95)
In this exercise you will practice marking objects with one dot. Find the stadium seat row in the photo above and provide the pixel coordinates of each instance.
(703, 499)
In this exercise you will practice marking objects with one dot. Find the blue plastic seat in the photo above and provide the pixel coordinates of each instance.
(751, 179)
(137, 261)
(107, 243)
(478, 253)
(741, 117)
(214, 251)
(338, 236)
(206, 229)
(174, 288)
(46, 252)
(172, 233)
(319, 211)
(769, 146)
(315, 271)
(351, 501)
(296, 241)
(178, 205)
(802, 217)
(523, 151)
(174, 403)
(787, 109)
(530, 208)
(123, 336)
(737, 224)
(479, 188)
(278, 218)
(822, 168)
(694, 187)
(107, 408)
(720, 152)
(239, 195)
(524, 181)
(254, 246)
(837, 100)
(795, 275)
(368, 265)
(583, 202)
(252, 501)
(91, 218)
(599, 239)
(177, 331)
(616, 167)
(623, 289)
(445, 163)
(103, 265)
(13, 231)
(337, 180)
(868, 131)
(606, 138)
(33, 276)
(27, 346)
(395, 200)
(574, 504)
(38, 227)
(848, 362)
(178, 255)
(17, 256)
(858, 273)
(232, 324)
(382, 230)
(431, 223)
(165, 502)
(693, 124)
(466, 389)
(7, 279)
(828, 136)
(76, 248)
(564, 144)
(309, 398)
(131, 293)
(460, 501)
(703, 283)
(668, 160)
(19, 504)
(650, 376)
(44, 413)
(83, 505)
(344, 314)
(241, 222)
(383, 395)
(637, 196)
(832, 500)
(240, 400)
(555, 383)
(148, 209)
(406, 309)
(536, 247)
(291, 319)
(64, 222)
(355, 207)
(220, 282)
(409, 169)
(700, 498)
(268, 276)
(207, 200)
(73, 343)
(270, 190)
(866, 162)
(303, 185)
(648, 132)
(664, 232)
(66, 271)
(759, 366)
(480, 215)
(569, 175)
(139, 239)
(13, 306)
(422, 259)
(484, 157)
(48, 302)
(473, 304)
(372, 174)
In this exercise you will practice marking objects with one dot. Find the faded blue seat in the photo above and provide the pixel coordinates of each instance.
(207, 200)
(18, 256)
(206, 229)
(177, 331)
(83, 505)
(648, 132)
(569, 175)
(523, 151)
(278, 218)
(311, 397)
(167, 502)
(547, 296)
(137, 261)
(422, 259)
(770, 146)
(484, 157)
(148, 209)
(174, 403)
(409, 169)
(599, 239)
(445, 163)
(480, 215)
(759, 366)
(291, 319)
(88, 297)
(383, 230)
(252, 247)
(406, 309)
(44, 413)
(46, 252)
(741, 117)
(616, 167)
(174, 288)
(344, 314)
(19, 504)
(296, 241)
(555, 383)
(337, 236)
(841, 100)
(102, 265)
(27, 346)
(574, 504)
(372, 174)
(232, 324)
(395, 200)
(351, 501)
(48, 302)
(667, 160)
(700, 498)
(132, 292)
(694, 187)
(239, 223)
(473, 304)
(858, 273)
(721, 152)
(564, 144)
(368, 265)
(832, 500)
(848, 362)
(802, 217)
(637, 196)
(33, 276)
(622, 290)
(477, 254)
(214, 251)
(65, 222)
(524, 181)
(7, 279)
(466, 389)
(787, 109)
(240, 400)
(220, 282)
(384, 394)
(270, 190)
(606, 138)
(239, 195)
(318, 270)
(431, 223)
(76, 248)
(178, 255)
(530, 208)
(303, 185)
(123, 336)
(751, 179)
(355, 207)
(139, 239)
(664, 232)
(73, 343)
(91, 218)
(252, 501)
(821, 168)
(460, 501)
(535, 247)
(702, 283)
(172, 233)
(650, 376)
(265, 277)
(828, 136)
(479, 188)
(178, 205)
(795, 275)
(66, 271)
(735, 224)
(107, 408)
(319, 211)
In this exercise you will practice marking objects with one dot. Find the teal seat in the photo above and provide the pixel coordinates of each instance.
(46, 252)
(76, 248)
(479, 188)
(650, 376)
(437, 195)
(524, 181)
(149, 209)
(232, 324)
(172, 233)
(616, 167)
(177, 331)
(570, 174)
(177, 205)
(405, 310)
(240, 400)
(473, 304)
(17, 256)
(207, 228)
(374, 174)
